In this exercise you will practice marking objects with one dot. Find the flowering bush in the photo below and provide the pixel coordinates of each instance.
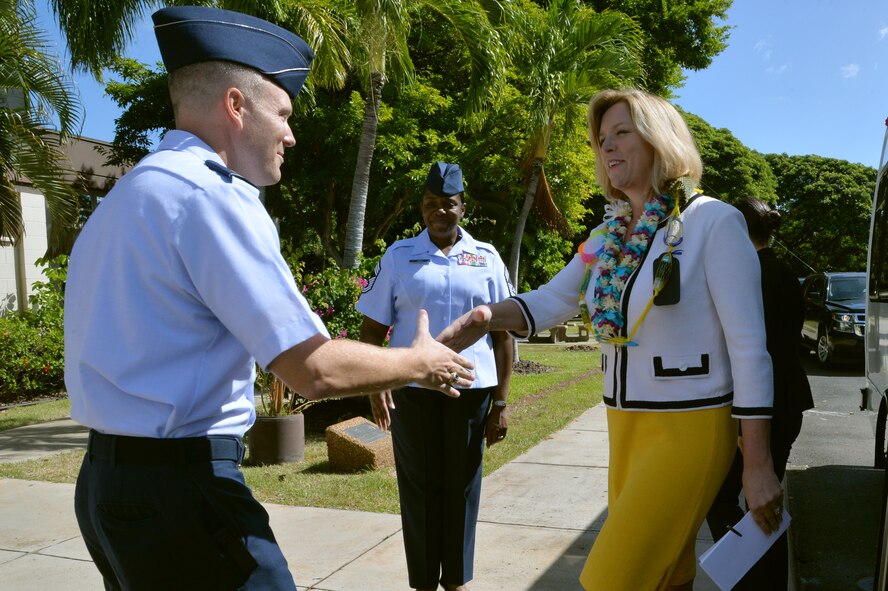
(33, 359)
(333, 293)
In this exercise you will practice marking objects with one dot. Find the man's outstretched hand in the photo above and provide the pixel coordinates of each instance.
(442, 369)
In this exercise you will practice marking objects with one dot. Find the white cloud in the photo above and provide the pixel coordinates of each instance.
(777, 69)
(883, 32)
(850, 71)
(764, 49)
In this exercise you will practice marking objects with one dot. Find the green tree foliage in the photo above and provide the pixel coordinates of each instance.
(147, 113)
(379, 37)
(417, 124)
(34, 89)
(827, 205)
(730, 169)
(677, 34)
(562, 56)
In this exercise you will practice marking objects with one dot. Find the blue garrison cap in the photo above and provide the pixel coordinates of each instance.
(190, 34)
(444, 179)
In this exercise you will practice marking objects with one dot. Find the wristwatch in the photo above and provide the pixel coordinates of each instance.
(500, 403)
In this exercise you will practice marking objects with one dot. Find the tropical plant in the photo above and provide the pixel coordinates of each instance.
(676, 35)
(563, 55)
(33, 91)
(382, 54)
(277, 399)
(33, 360)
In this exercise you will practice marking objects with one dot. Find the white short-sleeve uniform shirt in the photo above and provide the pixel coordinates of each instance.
(176, 288)
(414, 274)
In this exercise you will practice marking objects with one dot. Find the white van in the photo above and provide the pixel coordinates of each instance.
(875, 391)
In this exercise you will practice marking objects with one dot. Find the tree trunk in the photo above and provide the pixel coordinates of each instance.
(354, 232)
(529, 197)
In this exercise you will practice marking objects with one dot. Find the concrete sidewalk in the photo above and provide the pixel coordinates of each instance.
(539, 516)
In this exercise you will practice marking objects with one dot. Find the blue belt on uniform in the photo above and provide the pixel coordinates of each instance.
(147, 450)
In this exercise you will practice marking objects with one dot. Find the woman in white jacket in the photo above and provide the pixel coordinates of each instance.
(669, 285)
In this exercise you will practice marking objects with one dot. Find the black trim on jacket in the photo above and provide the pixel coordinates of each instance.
(531, 330)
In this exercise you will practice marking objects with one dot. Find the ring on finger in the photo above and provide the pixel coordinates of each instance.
(453, 378)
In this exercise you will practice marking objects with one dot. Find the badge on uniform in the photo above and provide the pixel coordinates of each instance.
(471, 260)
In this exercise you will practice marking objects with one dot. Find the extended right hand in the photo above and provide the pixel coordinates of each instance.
(467, 329)
(441, 368)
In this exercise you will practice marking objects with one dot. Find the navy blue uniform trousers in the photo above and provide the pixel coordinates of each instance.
(156, 515)
(771, 572)
(439, 445)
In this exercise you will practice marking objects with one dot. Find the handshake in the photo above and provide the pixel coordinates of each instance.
(445, 360)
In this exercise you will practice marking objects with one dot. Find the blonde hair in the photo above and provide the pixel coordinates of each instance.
(660, 125)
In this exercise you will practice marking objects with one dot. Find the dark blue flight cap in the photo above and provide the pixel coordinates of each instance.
(190, 34)
(444, 179)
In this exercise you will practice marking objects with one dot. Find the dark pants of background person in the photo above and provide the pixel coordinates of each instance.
(175, 514)
(770, 573)
(439, 445)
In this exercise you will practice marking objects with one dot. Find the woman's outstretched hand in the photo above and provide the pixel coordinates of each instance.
(466, 329)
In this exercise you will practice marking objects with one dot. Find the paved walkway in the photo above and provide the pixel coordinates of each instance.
(539, 516)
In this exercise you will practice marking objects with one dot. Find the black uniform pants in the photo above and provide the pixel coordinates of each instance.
(770, 573)
(175, 514)
(439, 445)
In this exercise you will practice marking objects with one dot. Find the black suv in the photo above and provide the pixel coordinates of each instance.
(835, 315)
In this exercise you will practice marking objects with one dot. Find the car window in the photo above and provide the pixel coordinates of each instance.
(847, 288)
(814, 288)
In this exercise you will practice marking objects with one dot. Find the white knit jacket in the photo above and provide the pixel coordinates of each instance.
(706, 351)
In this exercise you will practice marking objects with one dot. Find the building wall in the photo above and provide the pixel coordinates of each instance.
(7, 280)
(87, 172)
(34, 245)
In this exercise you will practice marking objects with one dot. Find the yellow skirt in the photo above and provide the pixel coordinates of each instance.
(664, 472)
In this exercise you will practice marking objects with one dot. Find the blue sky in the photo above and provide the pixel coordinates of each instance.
(801, 77)
(798, 76)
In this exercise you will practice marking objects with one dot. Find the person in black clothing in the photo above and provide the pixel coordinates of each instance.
(784, 314)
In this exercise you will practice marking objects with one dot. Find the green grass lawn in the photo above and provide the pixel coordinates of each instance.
(540, 403)
(20, 416)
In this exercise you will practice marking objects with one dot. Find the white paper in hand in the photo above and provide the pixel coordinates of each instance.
(732, 556)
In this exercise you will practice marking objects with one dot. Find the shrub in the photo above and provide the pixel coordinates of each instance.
(33, 360)
(333, 293)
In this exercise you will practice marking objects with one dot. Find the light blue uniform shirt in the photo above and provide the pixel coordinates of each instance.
(414, 274)
(176, 287)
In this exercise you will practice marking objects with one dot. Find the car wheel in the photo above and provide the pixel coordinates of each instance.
(824, 352)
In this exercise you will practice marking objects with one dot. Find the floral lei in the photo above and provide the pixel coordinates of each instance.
(618, 261)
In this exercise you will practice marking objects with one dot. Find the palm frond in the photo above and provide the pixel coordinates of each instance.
(37, 159)
(325, 28)
(26, 65)
(98, 30)
(487, 54)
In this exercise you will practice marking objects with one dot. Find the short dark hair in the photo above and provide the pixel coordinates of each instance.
(761, 220)
(204, 82)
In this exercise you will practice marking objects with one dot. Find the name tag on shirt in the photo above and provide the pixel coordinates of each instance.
(471, 260)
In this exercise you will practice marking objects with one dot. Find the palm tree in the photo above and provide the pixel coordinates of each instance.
(33, 90)
(381, 44)
(97, 31)
(563, 55)
(366, 37)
